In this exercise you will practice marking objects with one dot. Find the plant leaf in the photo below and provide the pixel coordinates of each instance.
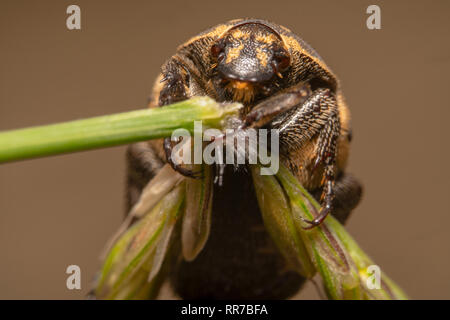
(197, 218)
(277, 216)
(141, 249)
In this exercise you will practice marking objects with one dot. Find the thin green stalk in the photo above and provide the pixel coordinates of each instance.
(111, 130)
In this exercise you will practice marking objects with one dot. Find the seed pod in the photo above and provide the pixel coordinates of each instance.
(132, 265)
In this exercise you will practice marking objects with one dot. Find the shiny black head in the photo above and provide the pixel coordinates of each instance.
(248, 56)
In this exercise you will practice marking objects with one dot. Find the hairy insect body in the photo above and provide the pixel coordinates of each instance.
(284, 85)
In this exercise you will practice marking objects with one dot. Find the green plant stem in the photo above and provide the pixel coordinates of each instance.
(111, 130)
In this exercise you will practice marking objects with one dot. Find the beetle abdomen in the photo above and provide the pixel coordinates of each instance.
(240, 260)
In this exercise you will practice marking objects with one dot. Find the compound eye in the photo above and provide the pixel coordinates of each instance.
(217, 51)
(282, 59)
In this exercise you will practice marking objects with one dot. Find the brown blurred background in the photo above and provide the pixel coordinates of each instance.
(59, 211)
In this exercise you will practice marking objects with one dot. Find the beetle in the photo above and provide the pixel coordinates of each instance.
(283, 84)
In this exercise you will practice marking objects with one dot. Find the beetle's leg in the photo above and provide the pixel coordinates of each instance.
(347, 194)
(176, 78)
(300, 124)
(175, 166)
(317, 116)
(265, 111)
(327, 200)
(327, 150)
